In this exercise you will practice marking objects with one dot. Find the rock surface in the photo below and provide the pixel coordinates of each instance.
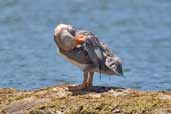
(97, 100)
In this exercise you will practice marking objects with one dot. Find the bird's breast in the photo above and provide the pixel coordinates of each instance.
(82, 66)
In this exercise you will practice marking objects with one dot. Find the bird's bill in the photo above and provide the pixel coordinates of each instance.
(80, 39)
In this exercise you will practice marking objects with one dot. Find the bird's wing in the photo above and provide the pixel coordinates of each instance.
(94, 48)
(99, 53)
(79, 55)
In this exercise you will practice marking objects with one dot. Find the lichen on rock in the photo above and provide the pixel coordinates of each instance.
(97, 100)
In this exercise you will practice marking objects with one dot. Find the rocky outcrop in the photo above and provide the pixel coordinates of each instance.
(97, 100)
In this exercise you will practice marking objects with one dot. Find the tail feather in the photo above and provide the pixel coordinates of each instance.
(114, 64)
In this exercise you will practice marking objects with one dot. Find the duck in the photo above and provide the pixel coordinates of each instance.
(83, 49)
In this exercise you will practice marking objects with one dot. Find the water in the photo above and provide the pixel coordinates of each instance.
(137, 31)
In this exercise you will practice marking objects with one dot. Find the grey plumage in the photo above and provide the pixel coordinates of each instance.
(83, 49)
(92, 55)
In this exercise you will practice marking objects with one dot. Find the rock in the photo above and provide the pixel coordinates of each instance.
(96, 100)
(19, 106)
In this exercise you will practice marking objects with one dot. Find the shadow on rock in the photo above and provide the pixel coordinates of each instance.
(96, 89)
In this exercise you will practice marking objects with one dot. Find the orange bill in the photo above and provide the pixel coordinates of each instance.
(80, 39)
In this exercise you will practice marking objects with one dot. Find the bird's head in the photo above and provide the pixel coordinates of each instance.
(62, 27)
(64, 37)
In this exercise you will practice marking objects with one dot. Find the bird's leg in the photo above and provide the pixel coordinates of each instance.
(85, 75)
(90, 79)
(81, 86)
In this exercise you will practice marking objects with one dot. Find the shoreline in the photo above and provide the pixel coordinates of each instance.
(96, 100)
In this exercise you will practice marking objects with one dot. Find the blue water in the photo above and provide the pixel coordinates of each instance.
(139, 32)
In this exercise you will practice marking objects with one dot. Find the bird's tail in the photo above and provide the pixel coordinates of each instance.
(115, 65)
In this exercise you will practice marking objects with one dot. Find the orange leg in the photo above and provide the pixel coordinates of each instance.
(90, 79)
(81, 86)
